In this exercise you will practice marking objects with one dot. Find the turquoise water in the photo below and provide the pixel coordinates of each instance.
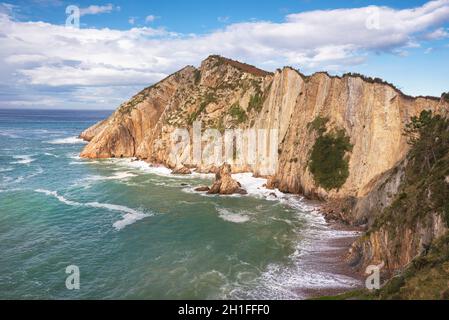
(136, 231)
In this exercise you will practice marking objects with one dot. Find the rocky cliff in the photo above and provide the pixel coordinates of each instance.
(340, 138)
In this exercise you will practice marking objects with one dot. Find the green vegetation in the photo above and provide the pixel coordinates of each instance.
(127, 107)
(208, 98)
(424, 190)
(238, 113)
(445, 96)
(328, 160)
(318, 124)
(256, 102)
(422, 194)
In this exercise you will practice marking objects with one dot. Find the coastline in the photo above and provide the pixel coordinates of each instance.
(322, 260)
(329, 256)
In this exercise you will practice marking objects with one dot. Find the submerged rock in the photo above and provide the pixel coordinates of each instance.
(202, 189)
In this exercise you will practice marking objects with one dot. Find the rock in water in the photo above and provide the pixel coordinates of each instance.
(202, 189)
(272, 183)
(224, 183)
(181, 170)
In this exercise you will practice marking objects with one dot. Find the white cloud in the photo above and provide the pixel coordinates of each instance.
(151, 18)
(437, 34)
(43, 54)
(95, 9)
(132, 20)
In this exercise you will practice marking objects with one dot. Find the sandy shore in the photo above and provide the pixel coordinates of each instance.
(328, 257)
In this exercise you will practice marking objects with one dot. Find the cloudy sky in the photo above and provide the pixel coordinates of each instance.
(122, 46)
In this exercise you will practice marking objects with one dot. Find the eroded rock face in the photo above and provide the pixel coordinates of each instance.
(372, 114)
(91, 132)
(224, 183)
(225, 94)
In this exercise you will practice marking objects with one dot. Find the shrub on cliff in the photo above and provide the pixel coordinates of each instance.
(238, 113)
(256, 102)
(329, 164)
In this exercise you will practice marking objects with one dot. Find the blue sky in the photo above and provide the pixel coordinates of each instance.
(123, 46)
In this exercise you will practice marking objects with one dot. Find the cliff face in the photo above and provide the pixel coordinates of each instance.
(355, 122)
(226, 94)
(408, 210)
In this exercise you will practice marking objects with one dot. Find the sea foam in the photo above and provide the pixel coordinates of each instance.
(236, 217)
(68, 140)
(23, 159)
(130, 215)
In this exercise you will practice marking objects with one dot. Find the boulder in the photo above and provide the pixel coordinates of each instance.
(181, 170)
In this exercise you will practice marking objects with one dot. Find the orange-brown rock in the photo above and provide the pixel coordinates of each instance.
(224, 183)
(181, 170)
(372, 113)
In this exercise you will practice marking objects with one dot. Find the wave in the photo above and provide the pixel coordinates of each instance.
(68, 140)
(7, 169)
(23, 159)
(9, 134)
(307, 270)
(115, 176)
(237, 217)
(255, 186)
(130, 215)
(50, 154)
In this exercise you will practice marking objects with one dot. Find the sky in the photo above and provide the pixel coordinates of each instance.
(49, 61)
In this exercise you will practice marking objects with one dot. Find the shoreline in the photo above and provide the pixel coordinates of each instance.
(323, 257)
(329, 256)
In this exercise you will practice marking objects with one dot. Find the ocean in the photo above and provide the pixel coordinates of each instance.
(138, 232)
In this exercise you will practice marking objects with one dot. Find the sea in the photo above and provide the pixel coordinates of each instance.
(132, 230)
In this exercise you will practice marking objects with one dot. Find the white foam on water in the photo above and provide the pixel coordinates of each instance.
(284, 281)
(50, 154)
(240, 216)
(128, 218)
(6, 169)
(129, 215)
(68, 140)
(143, 166)
(59, 197)
(255, 186)
(277, 281)
(115, 176)
(23, 159)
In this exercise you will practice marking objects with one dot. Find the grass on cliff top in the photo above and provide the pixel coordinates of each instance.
(329, 163)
